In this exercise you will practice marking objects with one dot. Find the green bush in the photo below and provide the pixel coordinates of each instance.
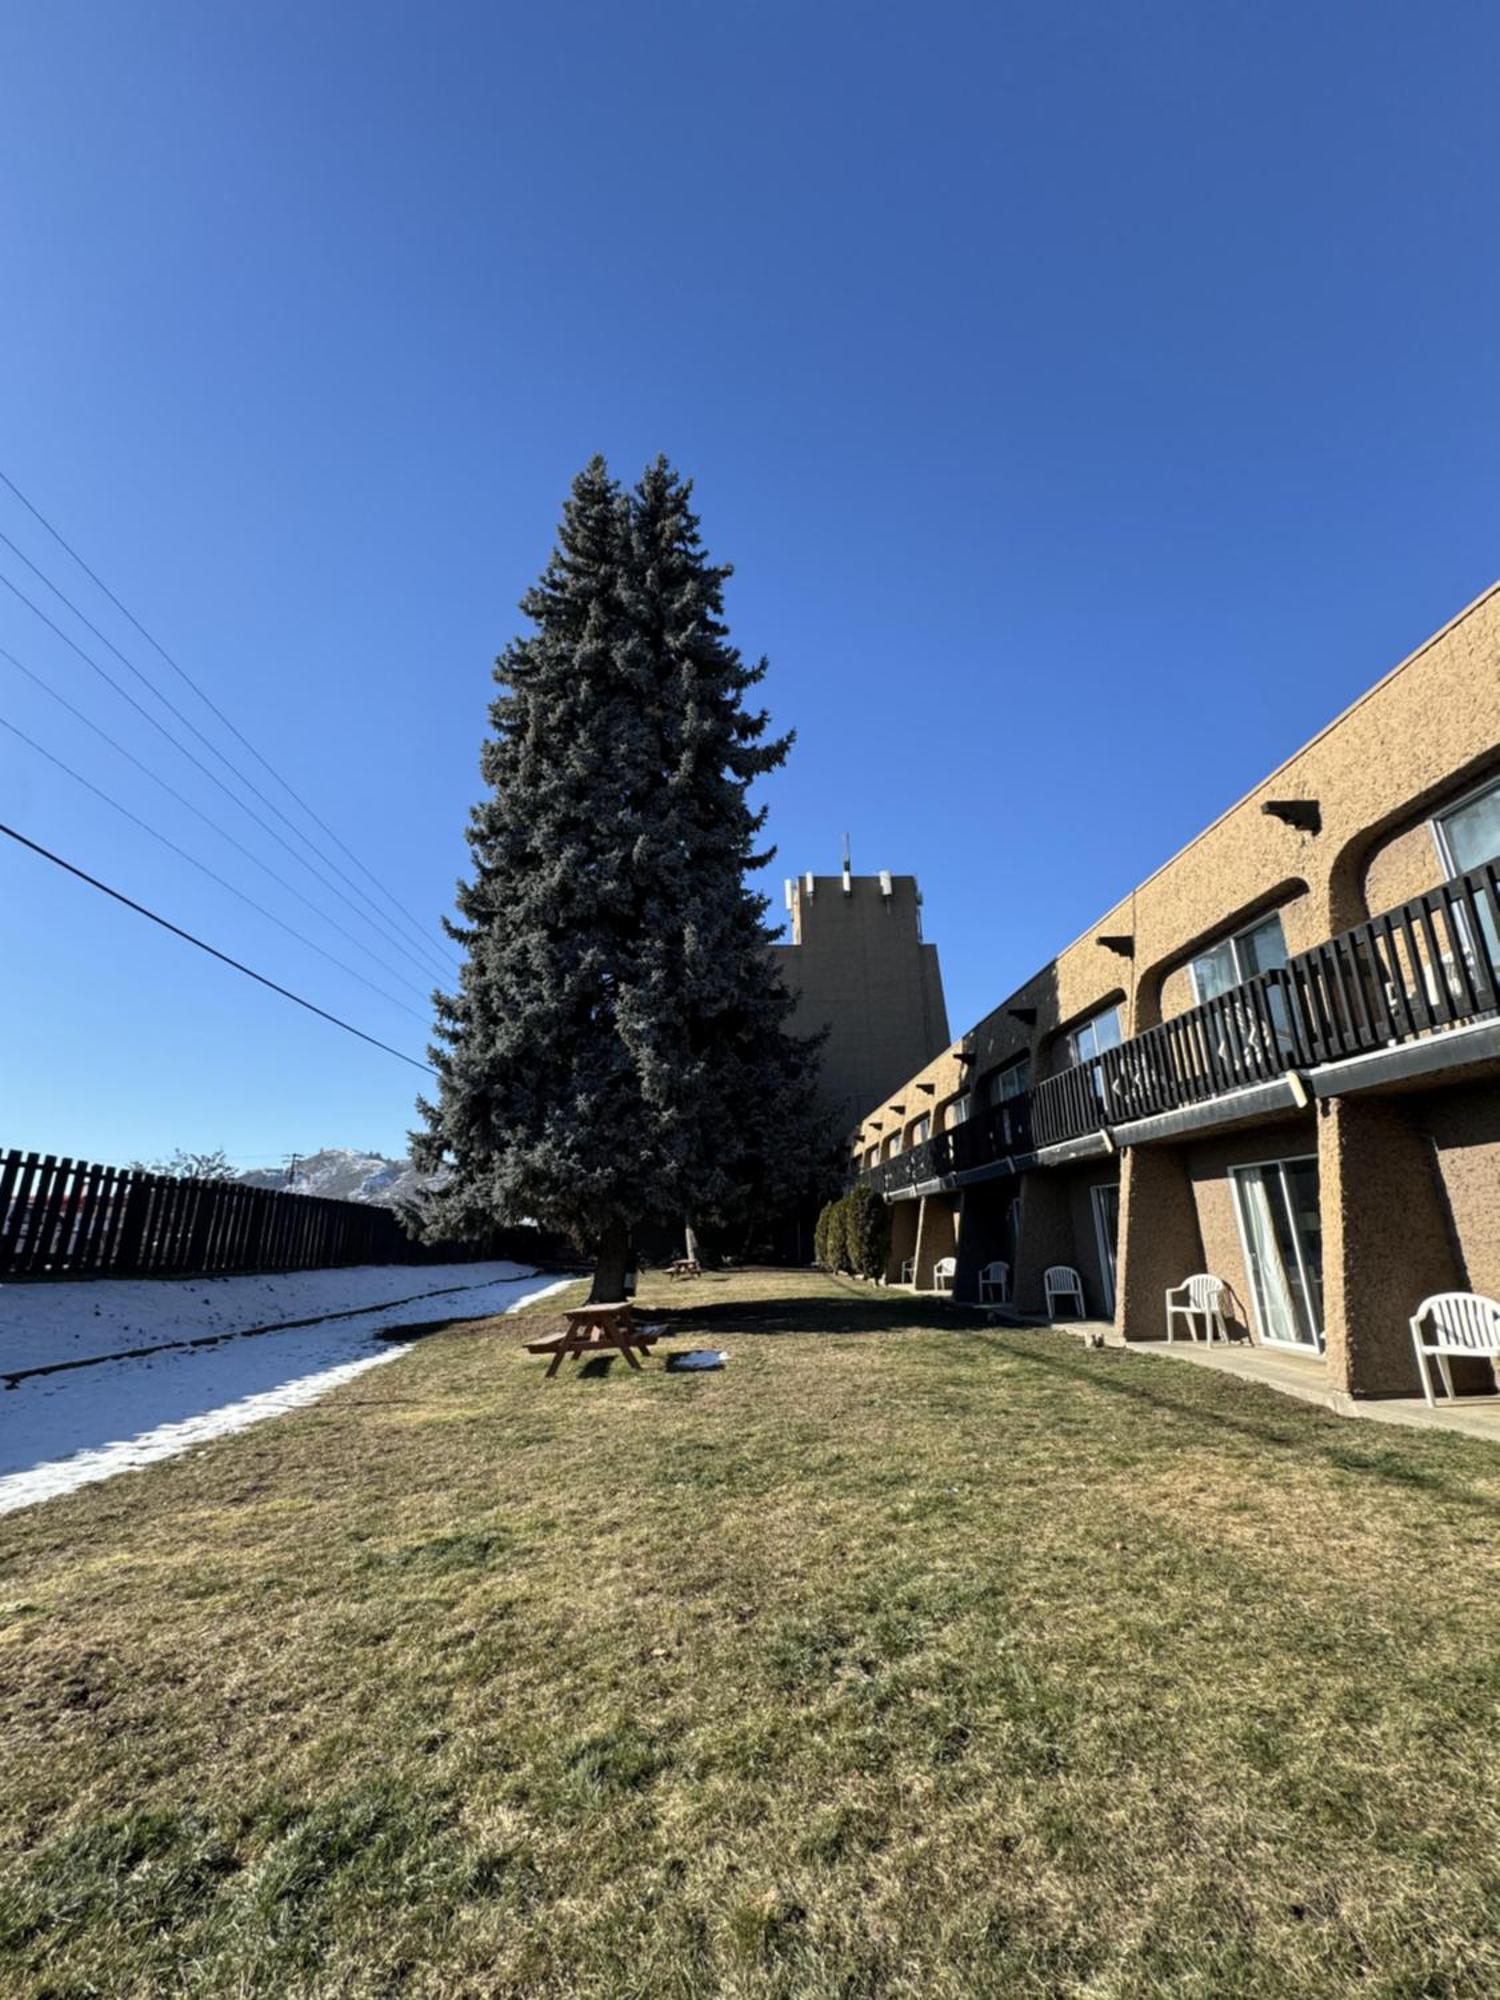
(822, 1229)
(867, 1232)
(854, 1234)
(836, 1252)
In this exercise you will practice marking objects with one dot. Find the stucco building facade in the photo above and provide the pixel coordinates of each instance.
(1277, 1060)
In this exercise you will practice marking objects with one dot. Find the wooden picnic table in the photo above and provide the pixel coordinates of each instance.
(595, 1330)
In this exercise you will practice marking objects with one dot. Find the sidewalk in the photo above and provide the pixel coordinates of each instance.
(1306, 1378)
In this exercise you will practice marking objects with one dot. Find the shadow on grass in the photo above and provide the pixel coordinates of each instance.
(818, 1313)
(1379, 1462)
(424, 1329)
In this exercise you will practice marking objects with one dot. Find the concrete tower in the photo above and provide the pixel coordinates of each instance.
(859, 967)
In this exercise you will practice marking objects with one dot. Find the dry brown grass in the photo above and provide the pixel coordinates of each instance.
(902, 1658)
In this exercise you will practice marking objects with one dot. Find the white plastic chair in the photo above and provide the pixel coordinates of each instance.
(1203, 1295)
(994, 1284)
(908, 1270)
(1061, 1281)
(1462, 1323)
(942, 1274)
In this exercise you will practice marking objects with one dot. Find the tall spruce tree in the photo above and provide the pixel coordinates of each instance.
(617, 1053)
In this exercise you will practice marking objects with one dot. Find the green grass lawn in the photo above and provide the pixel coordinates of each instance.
(902, 1657)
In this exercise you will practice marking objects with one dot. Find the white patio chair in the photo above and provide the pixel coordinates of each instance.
(1061, 1281)
(1203, 1295)
(908, 1270)
(1461, 1323)
(942, 1274)
(994, 1284)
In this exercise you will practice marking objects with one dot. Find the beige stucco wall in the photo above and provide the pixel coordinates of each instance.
(1387, 1242)
(937, 1235)
(939, 1082)
(1463, 1127)
(1402, 867)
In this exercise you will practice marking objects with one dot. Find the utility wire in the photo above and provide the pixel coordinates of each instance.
(202, 866)
(212, 950)
(223, 832)
(212, 706)
(298, 851)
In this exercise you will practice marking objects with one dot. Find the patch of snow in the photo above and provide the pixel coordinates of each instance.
(42, 1324)
(65, 1430)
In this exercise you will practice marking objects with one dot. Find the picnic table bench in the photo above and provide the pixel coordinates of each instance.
(595, 1330)
(685, 1267)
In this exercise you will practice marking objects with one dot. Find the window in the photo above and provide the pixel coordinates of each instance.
(920, 1131)
(872, 1157)
(1470, 833)
(1092, 1037)
(1012, 1081)
(956, 1113)
(1260, 947)
(893, 1146)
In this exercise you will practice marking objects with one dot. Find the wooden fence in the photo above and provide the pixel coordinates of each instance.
(73, 1218)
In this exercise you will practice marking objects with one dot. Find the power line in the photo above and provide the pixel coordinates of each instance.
(202, 866)
(207, 819)
(297, 852)
(212, 950)
(376, 916)
(213, 707)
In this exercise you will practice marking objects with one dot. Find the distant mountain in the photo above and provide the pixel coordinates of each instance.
(342, 1174)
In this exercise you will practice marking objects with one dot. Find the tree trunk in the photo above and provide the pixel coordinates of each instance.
(611, 1262)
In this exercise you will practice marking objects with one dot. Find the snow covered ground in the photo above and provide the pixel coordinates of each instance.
(42, 1324)
(62, 1430)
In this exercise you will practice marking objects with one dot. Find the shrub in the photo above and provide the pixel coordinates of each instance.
(867, 1232)
(836, 1251)
(821, 1234)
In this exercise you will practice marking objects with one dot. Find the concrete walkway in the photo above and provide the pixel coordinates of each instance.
(1305, 1376)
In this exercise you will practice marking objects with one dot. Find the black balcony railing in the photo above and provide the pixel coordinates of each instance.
(1430, 965)
(998, 1132)
(1434, 963)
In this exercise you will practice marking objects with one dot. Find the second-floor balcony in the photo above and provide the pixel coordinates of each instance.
(1421, 970)
(1003, 1131)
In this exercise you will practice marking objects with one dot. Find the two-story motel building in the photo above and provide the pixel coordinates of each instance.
(1277, 1060)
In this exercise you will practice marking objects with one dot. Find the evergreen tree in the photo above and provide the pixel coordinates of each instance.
(616, 1052)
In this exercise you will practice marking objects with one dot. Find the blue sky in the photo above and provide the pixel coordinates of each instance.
(1093, 400)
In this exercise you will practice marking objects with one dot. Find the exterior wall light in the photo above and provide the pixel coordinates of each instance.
(1304, 814)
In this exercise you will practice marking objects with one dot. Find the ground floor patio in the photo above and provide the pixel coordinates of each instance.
(1327, 1225)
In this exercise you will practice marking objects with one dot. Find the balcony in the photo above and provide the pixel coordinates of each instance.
(1433, 964)
(1000, 1132)
(1430, 966)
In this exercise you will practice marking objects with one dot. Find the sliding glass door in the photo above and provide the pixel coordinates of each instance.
(1106, 1202)
(1282, 1232)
